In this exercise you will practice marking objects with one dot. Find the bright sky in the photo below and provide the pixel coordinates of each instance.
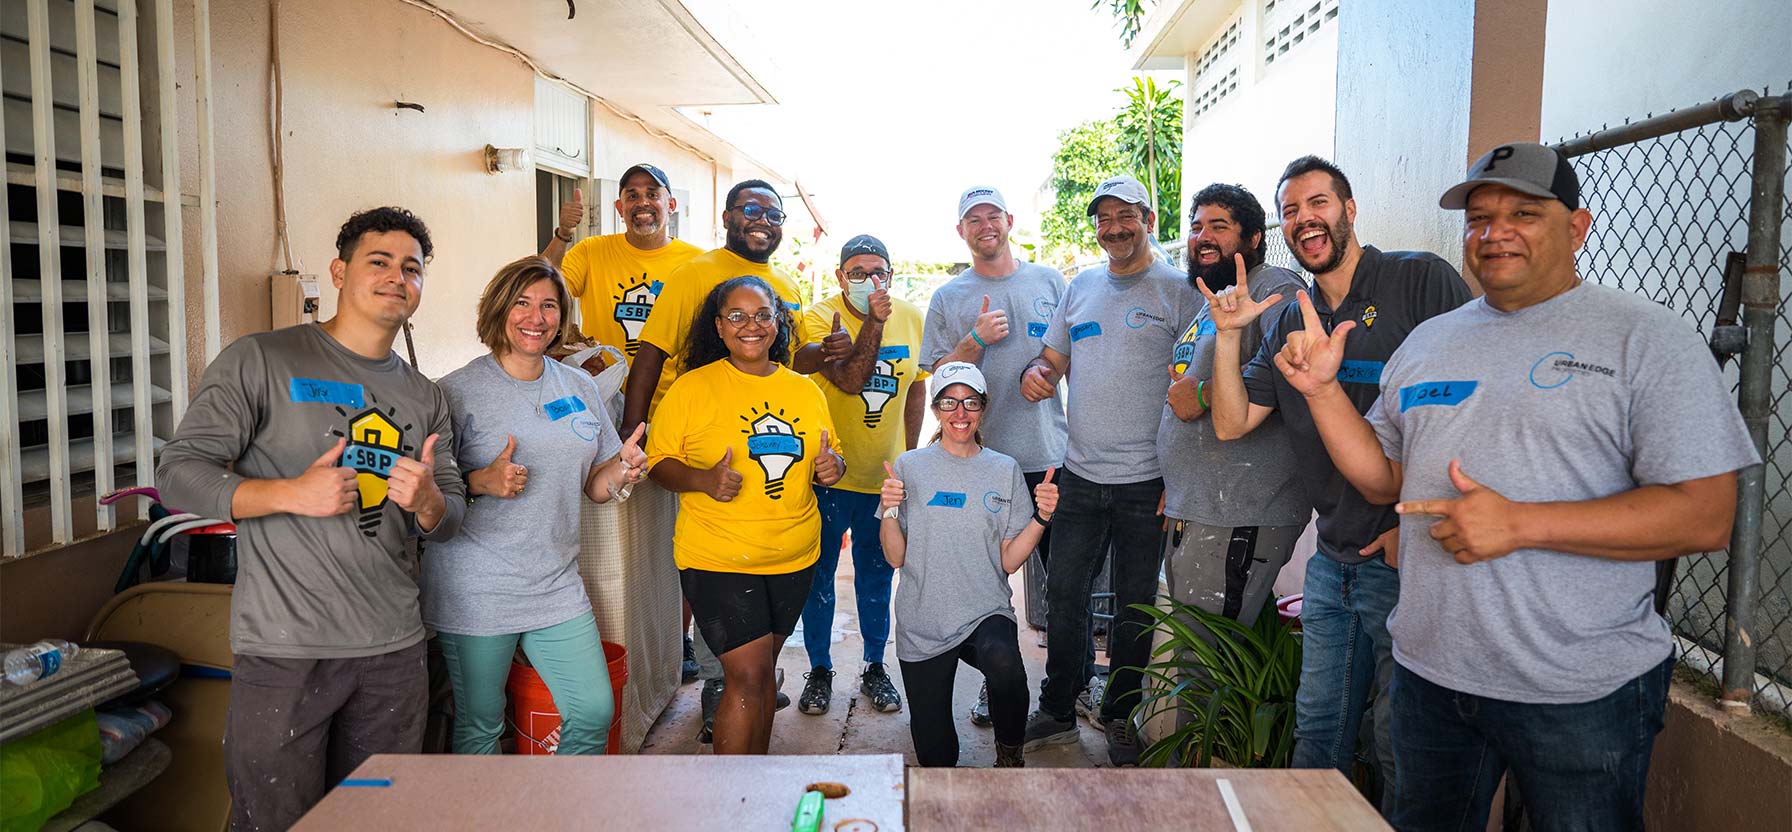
(887, 111)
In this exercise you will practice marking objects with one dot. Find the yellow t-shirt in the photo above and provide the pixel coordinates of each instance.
(617, 285)
(683, 295)
(870, 421)
(773, 423)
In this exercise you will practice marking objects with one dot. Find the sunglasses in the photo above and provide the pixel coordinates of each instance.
(755, 213)
(947, 404)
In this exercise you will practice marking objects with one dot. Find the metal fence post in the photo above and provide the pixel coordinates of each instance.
(1760, 299)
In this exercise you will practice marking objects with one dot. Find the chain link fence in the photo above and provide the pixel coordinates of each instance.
(1672, 199)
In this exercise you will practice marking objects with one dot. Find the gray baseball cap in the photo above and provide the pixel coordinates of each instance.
(1123, 188)
(1525, 167)
(980, 195)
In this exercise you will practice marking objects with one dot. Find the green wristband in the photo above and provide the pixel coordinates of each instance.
(1201, 394)
(978, 340)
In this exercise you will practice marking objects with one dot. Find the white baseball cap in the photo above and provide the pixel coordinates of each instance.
(1123, 188)
(980, 195)
(960, 372)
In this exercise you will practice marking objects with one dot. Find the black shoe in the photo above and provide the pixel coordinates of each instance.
(689, 669)
(1010, 756)
(783, 700)
(875, 683)
(711, 697)
(980, 713)
(818, 692)
(1043, 729)
(1123, 742)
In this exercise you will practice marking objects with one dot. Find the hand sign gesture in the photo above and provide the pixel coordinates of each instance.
(837, 346)
(573, 213)
(724, 480)
(502, 478)
(893, 492)
(1233, 310)
(828, 465)
(990, 326)
(1045, 495)
(325, 489)
(411, 483)
(1480, 525)
(1310, 358)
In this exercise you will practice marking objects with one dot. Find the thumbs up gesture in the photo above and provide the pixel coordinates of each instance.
(634, 460)
(724, 480)
(1045, 495)
(411, 484)
(837, 346)
(502, 478)
(573, 213)
(1479, 525)
(892, 493)
(828, 465)
(991, 325)
(881, 307)
(325, 489)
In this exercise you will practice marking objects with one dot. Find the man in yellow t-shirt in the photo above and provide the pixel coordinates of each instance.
(877, 399)
(754, 222)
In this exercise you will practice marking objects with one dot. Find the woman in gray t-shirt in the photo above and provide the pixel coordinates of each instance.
(534, 439)
(970, 526)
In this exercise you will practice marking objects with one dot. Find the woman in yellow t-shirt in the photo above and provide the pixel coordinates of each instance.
(744, 440)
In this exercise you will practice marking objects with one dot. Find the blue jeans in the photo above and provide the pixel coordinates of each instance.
(1346, 662)
(1580, 767)
(1090, 517)
(871, 580)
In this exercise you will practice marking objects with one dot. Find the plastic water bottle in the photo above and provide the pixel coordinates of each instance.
(29, 664)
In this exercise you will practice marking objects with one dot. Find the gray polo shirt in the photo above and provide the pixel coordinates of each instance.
(1117, 330)
(1390, 294)
(1032, 433)
(1589, 394)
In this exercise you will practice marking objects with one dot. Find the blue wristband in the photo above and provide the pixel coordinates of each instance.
(978, 340)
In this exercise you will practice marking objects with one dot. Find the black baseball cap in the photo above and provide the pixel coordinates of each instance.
(1525, 167)
(863, 244)
(657, 174)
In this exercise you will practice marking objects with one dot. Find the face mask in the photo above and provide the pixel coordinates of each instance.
(859, 294)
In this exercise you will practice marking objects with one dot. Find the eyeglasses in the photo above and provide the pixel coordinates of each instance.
(860, 275)
(947, 404)
(754, 212)
(739, 319)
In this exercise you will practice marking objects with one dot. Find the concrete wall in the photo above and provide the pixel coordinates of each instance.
(1713, 769)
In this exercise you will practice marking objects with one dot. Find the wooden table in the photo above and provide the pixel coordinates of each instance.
(1263, 800)
(440, 792)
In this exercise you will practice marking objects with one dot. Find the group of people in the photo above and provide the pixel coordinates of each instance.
(1492, 610)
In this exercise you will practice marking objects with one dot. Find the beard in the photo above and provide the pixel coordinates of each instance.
(1219, 275)
(1338, 234)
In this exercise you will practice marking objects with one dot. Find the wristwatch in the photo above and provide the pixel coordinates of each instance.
(564, 238)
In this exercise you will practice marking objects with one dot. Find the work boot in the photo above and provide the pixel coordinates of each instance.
(1123, 743)
(875, 683)
(1043, 729)
(1010, 756)
(689, 669)
(980, 714)
(711, 697)
(818, 692)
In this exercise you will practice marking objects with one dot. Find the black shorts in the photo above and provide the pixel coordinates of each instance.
(733, 608)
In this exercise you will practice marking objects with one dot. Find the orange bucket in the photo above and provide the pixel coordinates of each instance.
(536, 721)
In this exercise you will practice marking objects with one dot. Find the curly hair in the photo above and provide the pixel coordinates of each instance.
(1245, 210)
(380, 221)
(705, 346)
(501, 293)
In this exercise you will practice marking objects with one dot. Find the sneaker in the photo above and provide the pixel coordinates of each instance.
(711, 697)
(1088, 703)
(1123, 743)
(783, 700)
(818, 692)
(980, 714)
(1009, 756)
(689, 669)
(1043, 729)
(875, 683)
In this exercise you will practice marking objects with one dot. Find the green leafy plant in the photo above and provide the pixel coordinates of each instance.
(1130, 14)
(1151, 144)
(1087, 154)
(1237, 692)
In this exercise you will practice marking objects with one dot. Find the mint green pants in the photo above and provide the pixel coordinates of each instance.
(570, 658)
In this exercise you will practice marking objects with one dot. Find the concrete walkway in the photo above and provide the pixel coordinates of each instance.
(850, 726)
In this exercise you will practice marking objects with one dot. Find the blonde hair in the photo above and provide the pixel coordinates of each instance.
(501, 293)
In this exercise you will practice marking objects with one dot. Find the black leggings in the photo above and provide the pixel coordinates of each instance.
(991, 648)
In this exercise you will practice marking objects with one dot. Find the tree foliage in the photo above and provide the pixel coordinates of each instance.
(1087, 154)
(1151, 144)
(1129, 13)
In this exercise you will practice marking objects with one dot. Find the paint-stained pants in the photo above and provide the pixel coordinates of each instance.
(296, 727)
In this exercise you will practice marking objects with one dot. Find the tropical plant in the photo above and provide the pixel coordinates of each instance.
(1130, 14)
(1087, 154)
(1151, 145)
(1236, 691)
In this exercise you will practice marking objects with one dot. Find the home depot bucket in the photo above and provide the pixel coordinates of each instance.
(535, 719)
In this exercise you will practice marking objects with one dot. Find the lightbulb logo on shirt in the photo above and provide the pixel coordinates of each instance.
(375, 442)
(633, 304)
(883, 385)
(775, 444)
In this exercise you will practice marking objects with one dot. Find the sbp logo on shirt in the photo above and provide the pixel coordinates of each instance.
(776, 445)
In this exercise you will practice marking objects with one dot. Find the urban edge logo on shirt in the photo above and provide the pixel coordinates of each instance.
(375, 441)
(633, 304)
(775, 444)
(584, 427)
(1558, 368)
(994, 502)
(1137, 317)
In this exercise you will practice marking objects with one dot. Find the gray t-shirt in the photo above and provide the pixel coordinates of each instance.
(515, 565)
(269, 405)
(956, 516)
(1248, 481)
(1032, 433)
(1117, 329)
(1592, 393)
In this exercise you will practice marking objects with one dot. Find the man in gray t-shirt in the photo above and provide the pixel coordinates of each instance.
(1109, 336)
(1549, 442)
(329, 453)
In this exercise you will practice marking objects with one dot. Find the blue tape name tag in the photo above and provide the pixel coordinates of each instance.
(881, 384)
(893, 353)
(1088, 329)
(561, 408)
(1450, 393)
(1036, 329)
(947, 499)
(656, 286)
(774, 443)
(633, 311)
(369, 459)
(326, 392)
(1361, 372)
